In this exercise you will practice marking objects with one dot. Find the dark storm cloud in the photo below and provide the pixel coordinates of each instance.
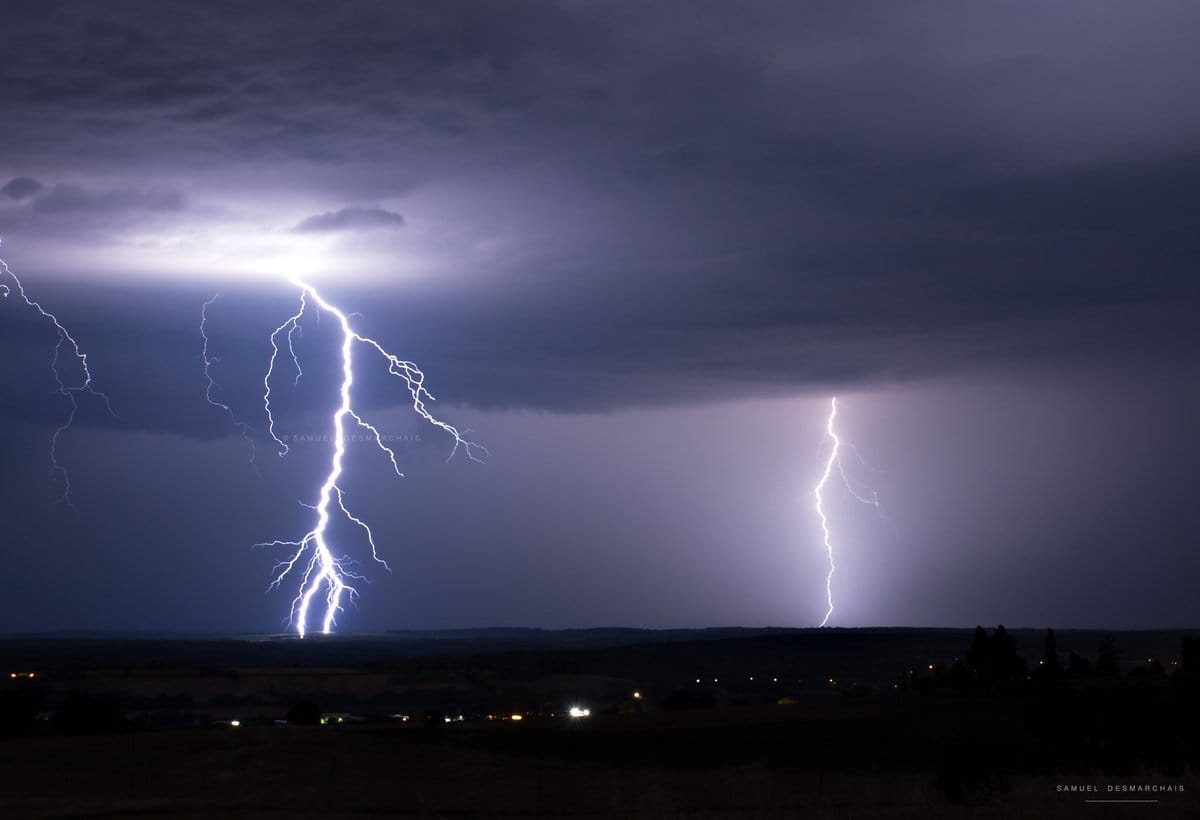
(351, 219)
(643, 201)
(69, 198)
(21, 188)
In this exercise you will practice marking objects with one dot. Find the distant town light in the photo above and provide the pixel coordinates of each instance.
(577, 712)
(235, 723)
(637, 695)
(515, 717)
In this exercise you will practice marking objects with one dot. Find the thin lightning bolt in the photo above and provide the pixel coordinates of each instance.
(835, 459)
(291, 324)
(68, 392)
(208, 390)
(319, 568)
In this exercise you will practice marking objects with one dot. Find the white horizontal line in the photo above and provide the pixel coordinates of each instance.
(1120, 801)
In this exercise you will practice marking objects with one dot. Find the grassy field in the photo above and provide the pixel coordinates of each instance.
(575, 771)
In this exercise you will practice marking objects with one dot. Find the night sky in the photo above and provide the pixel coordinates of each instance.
(636, 247)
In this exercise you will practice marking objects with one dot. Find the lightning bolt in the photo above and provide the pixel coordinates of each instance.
(212, 385)
(835, 460)
(311, 556)
(67, 391)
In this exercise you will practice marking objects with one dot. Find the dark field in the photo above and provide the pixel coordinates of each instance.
(831, 723)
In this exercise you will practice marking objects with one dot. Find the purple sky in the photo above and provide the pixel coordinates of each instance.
(636, 247)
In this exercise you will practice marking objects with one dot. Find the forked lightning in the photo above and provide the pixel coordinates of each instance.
(68, 391)
(320, 570)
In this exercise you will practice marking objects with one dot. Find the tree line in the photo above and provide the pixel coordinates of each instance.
(992, 662)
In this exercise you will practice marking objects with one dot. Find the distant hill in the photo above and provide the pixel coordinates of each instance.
(865, 654)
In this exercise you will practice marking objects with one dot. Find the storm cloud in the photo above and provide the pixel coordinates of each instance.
(780, 191)
(21, 188)
(351, 219)
(66, 198)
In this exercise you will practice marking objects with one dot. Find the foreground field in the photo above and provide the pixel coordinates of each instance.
(847, 723)
(365, 772)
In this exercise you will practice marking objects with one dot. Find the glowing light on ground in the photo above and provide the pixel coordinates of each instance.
(835, 460)
(67, 390)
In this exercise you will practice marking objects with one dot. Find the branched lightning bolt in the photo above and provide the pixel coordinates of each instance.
(835, 459)
(291, 324)
(208, 390)
(69, 392)
(311, 555)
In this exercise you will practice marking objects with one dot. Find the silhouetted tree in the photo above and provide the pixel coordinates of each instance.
(1050, 665)
(1006, 663)
(1108, 659)
(979, 656)
(994, 659)
(1189, 657)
